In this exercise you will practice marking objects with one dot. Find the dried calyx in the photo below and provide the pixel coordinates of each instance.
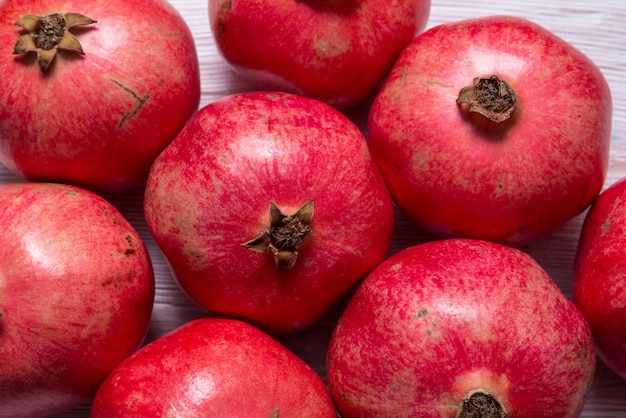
(481, 404)
(284, 235)
(492, 97)
(47, 34)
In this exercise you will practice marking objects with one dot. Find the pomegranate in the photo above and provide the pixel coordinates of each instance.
(492, 128)
(214, 367)
(334, 51)
(76, 294)
(268, 208)
(600, 275)
(94, 90)
(460, 328)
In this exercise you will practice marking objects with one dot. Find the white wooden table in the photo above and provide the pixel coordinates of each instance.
(597, 28)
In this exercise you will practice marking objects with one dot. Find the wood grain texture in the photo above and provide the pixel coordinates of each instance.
(596, 28)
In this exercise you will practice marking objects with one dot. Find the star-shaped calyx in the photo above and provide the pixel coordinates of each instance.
(491, 97)
(284, 235)
(47, 34)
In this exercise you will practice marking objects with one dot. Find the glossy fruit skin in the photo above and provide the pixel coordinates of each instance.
(213, 367)
(458, 174)
(599, 288)
(440, 319)
(97, 120)
(76, 294)
(210, 190)
(337, 52)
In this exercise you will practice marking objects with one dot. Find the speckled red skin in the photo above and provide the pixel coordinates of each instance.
(213, 367)
(76, 293)
(599, 288)
(334, 51)
(438, 320)
(97, 120)
(461, 175)
(209, 192)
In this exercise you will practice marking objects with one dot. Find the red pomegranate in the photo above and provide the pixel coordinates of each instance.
(460, 328)
(334, 51)
(218, 368)
(92, 91)
(76, 294)
(268, 208)
(492, 128)
(599, 288)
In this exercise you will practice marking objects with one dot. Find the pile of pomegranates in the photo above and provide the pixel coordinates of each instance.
(273, 211)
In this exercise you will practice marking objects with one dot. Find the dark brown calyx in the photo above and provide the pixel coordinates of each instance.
(491, 97)
(275, 413)
(47, 34)
(285, 234)
(481, 404)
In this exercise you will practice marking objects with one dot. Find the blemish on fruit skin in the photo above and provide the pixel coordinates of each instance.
(421, 313)
(396, 267)
(329, 49)
(437, 84)
(607, 222)
(499, 188)
(222, 16)
(130, 250)
(120, 281)
(141, 101)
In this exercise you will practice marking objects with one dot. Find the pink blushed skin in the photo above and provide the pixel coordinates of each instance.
(97, 120)
(334, 51)
(440, 320)
(214, 367)
(457, 174)
(599, 288)
(76, 294)
(209, 192)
